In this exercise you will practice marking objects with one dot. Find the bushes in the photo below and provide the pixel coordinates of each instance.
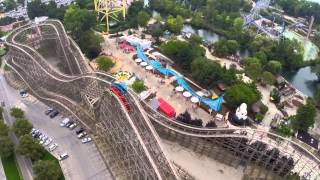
(22, 127)
(138, 86)
(259, 117)
(104, 63)
(242, 93)
(16, 112)
(30, 148)
(186, 118)
(46, 169)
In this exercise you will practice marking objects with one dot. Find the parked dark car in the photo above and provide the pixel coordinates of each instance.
(54, 114)
(48, 111)
(79, 130)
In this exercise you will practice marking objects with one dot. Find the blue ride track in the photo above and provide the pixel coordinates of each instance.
(214, 104)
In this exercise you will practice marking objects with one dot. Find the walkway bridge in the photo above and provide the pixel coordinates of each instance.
(45, 60)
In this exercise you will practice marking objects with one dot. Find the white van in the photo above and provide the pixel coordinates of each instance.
(63, 156)
(64, 122)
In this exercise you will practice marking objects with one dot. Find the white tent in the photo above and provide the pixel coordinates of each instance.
(194, 99)
(149, 67)
(187, 94)
(138, 60)
(179, 88)
(143, 64)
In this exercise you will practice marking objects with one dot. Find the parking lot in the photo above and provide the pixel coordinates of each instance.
(84, 161)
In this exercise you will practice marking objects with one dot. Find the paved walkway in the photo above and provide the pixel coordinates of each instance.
(2, 174)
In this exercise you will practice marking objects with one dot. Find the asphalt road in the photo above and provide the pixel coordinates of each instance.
(84, 162)
(5, 95)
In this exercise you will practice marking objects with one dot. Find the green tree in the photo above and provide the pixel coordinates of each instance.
(205, 72)
(30, 148)
(284, 129)
(305, 117)
(90, 44)
(78, 21)
(46, 170)
(9, 5)
(7, 148)
(174, 25)
(195, 39)
(22, 127)
(268, 78)
(37, 8)
(16, 112)
(143, 18)
(4, 129)
(251, 60)
(197, 19)
(225, 47)
(242, 93)
(105, 63)
(182, 52)
(138, 86)
(274, 67)
(254, 70)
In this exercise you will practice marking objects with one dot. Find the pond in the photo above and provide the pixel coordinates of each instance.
(304, 80)
(210, 36)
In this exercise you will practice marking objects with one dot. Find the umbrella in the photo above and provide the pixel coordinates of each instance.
(179, 88)
(144, 64)
(194, 99)
(149, 67)
(199, 93)
(187, 94)
(138, 60)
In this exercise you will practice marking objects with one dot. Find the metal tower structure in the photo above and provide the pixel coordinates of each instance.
(110, 9)
(254, 15)
(130, 142)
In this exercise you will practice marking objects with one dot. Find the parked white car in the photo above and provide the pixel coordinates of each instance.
(64, 122)
(48, 141)
(81, 135)
(63, 156)
(86, 140)
(53, 147)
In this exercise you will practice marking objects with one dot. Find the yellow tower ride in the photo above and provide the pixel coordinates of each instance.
(110, 9)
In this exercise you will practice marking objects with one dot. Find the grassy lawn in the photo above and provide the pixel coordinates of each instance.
(11, 168)
(49, 157)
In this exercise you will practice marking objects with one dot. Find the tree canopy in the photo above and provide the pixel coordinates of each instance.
(182, 52)
(30, 148)
(242, 93)
(22, 127)
(16, 112)
(7, 147)
(4, 129)
(174, 25)
(143, 18)
(36, 8)
(225, 47)
(305, 117)
(46, 170)
(79, 22)
(104, 63)
(138, 86)
(205, 72)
